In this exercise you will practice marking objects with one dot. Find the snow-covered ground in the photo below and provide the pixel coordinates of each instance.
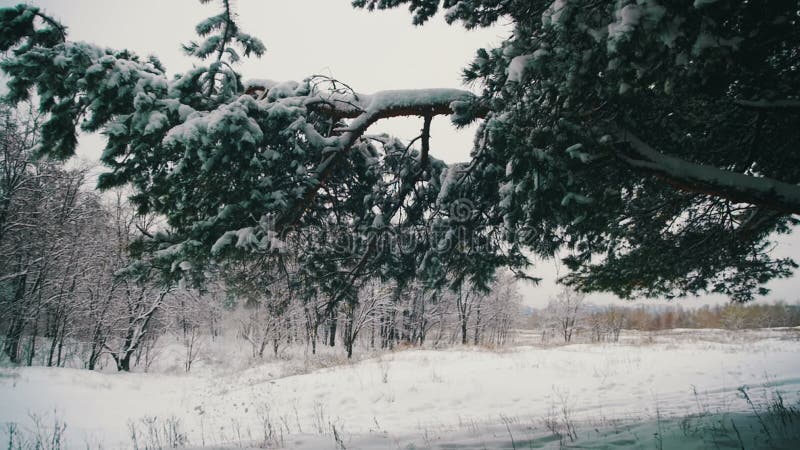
(523, 397)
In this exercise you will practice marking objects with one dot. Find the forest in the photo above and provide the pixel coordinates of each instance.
(67, 299)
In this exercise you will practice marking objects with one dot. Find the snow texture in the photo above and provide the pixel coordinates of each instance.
(516, 68)
(627, 19)
(434, 390)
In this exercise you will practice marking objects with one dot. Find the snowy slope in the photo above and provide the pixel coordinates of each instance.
(414, 393)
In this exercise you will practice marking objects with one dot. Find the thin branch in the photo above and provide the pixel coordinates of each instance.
(62, 30)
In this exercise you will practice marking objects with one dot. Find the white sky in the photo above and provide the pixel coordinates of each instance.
(370, 52)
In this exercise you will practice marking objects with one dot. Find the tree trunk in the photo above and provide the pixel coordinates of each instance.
(124, 363)
(59, 360)
(34, 332)
(477, 325)
(52, 352)
(313, 335)
(13, 336)
(96, 347)
(332, 329)
(14, 332)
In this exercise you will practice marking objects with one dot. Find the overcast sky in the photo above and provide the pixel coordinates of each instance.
(369, 51)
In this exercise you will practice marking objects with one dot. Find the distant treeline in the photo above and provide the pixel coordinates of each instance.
(567, 316)
(731, 316)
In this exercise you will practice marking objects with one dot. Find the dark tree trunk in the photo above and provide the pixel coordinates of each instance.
(13, 336)
(124, 363)
(52, 352)
(477, 338)
(332, 329)
(59, 360)
(96, 348)
(349, 332)
(313, 334)
(34, 333)
(14, 332)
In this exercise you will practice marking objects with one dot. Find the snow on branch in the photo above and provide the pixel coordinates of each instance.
(762, 191)
(381, 105)
(364, 110)
(386, 104)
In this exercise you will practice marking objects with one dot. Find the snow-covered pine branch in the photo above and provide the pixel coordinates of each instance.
(734, 186)
(711, 85)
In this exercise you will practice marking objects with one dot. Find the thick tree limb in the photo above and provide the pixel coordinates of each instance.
(762, 191)
(385, 104)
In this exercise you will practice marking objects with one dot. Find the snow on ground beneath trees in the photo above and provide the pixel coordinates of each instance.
(427, 395)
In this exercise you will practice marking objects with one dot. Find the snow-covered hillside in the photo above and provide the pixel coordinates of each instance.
(523, 397)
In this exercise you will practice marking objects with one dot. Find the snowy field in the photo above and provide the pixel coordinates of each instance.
(678, 389)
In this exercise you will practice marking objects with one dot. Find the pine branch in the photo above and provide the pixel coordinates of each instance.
(762, 191)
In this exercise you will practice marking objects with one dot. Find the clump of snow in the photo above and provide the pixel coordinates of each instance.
(575, 197)
(447, 179)
(575, 151)
(461, 112)
(519, 64)
(706, 41)
(246, 238)
(282, 90)
(273, 242)
(703, 3)
(169, 251)
(626, 21)
(259, 83)
(225, 240)
(556, 14)
(411, 97)
(155, 122)
(516, 68)
(227, 118)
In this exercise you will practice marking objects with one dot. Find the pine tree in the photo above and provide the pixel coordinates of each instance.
(650, 141)
(255, 174)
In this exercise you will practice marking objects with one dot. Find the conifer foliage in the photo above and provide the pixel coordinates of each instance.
(652, 141)
(648, 142)
(264, 171)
